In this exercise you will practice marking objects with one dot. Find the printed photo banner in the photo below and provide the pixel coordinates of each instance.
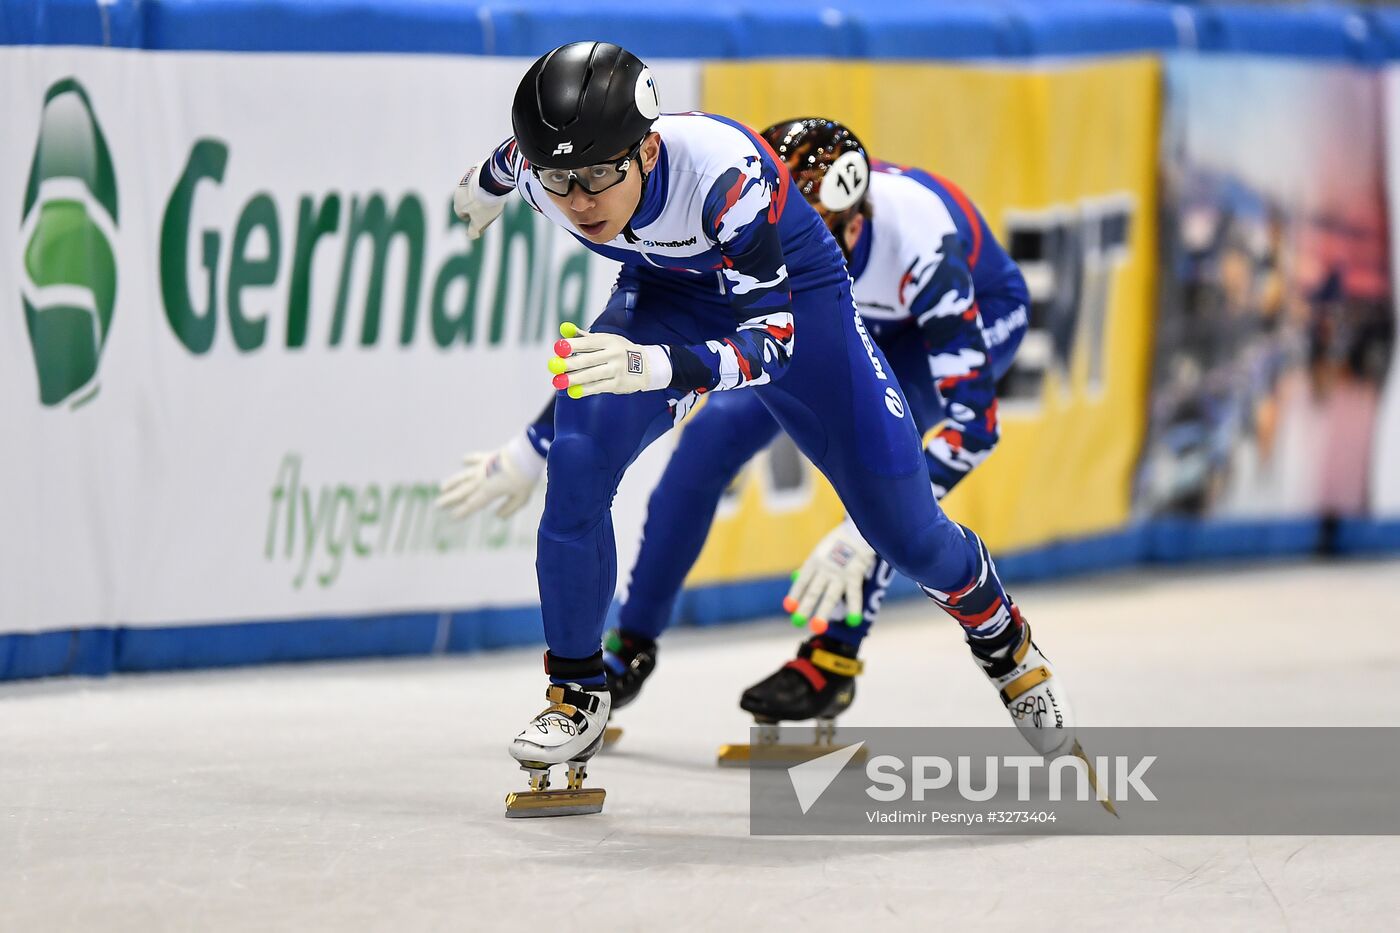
(1385, 462)
(1276, 322)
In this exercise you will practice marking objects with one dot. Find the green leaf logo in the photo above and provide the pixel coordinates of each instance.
(69, 281)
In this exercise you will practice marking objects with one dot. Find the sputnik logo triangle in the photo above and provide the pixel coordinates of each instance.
(811, 778)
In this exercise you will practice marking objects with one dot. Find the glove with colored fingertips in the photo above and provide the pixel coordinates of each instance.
(587, 364)
(834, 572)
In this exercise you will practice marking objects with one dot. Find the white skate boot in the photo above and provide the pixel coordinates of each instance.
(1031, 694)
(1036, 700)
(569, 732)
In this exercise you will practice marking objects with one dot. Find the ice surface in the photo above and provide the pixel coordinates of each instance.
(370, 795)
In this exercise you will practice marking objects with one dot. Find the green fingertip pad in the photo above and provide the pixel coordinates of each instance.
(575, 391)
(556, 365)
(853, 619)
(568, 329)
(795, 575)
(613, 642)
(798, 620)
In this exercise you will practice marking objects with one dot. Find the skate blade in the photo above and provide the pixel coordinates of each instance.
(1078, 752)
(528, 803)
(611, 735)
(774, 756)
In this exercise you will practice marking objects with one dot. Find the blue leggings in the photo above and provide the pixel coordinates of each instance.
(716, 444)
(840, 403)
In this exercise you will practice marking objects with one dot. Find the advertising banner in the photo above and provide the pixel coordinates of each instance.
(245, 336)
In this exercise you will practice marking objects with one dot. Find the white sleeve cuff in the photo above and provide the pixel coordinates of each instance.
(658, 367)
(524, 457)
(851, 533)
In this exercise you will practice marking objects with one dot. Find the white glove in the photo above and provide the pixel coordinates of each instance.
(476, 207)
(835, 570)
(511, 472)
(590, 364)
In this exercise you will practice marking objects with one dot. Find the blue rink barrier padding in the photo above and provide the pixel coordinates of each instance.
(100, 651)
(1367, 537)
(728, 29)
(1325, 32)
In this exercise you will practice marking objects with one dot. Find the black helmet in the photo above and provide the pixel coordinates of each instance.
(827, 162)
(583, 103)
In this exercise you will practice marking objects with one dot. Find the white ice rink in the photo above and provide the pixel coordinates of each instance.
(370, 795)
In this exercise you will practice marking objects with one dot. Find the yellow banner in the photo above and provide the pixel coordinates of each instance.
(1061, 161)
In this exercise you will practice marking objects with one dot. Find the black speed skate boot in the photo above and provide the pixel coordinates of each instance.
(819, 684)
(629, 660)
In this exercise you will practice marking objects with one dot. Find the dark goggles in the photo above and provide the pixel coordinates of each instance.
(593, 179)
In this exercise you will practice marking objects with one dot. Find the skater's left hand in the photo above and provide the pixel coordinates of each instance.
(508, 475)
(836, 570)
(474, 207)
(590, 364)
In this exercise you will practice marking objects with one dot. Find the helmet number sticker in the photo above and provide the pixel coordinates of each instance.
(844, 184)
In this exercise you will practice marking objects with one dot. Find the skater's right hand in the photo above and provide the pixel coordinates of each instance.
(587, 364)
(836, 570)
(477, 209)
(510, 472)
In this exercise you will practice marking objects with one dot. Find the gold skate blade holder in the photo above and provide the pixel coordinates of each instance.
(770, 752)
(1078, 752)
(530, 803)
(776, 756)
(611, 736)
